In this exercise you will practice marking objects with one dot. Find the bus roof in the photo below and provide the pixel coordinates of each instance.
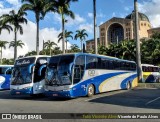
(6, 65)
(149, 65)
(89, 54)
(36, 56)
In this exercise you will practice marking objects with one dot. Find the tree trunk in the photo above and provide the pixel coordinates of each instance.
(66, 46)
(37, 36)
(63, 38)
(50, 51)
(1, 55)
(81, 46)
(15, 47)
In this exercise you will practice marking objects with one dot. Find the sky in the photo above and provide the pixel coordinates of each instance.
(50, 27)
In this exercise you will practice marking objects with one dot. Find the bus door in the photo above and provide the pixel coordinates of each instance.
(8, 77)
(79, 69)
(39, 75)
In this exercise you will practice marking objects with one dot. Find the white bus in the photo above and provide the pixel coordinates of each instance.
(151, 73)
(81, 74)
(28, 75)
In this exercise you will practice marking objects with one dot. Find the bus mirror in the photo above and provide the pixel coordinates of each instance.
(30, 68)
(40, 69)
(7, 71)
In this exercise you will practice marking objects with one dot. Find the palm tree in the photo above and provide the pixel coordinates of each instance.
(18, 43)
(68, 34)
(31, 53)
(57, 51)
(62, 7)
(74, 48)
(4, 26)
(81, 34)
(15, 19)
(49, 45)
(37, 6)
(2, 45)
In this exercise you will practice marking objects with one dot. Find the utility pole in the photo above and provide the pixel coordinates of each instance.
(138, 53)
(95, 26)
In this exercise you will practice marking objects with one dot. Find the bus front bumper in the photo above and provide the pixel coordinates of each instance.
(23, 91)
(63, 94)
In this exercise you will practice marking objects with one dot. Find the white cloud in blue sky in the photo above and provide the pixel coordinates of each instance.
(151, 9)
(13, 2)
(50, 27)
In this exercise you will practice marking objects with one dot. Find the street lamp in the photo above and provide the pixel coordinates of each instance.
(138, 53)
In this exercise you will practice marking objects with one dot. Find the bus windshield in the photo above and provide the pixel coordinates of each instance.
(21, 72)
(59, 70)
(3, 70)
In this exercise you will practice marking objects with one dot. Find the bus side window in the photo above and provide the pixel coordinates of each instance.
(99, 64)
(91, 62)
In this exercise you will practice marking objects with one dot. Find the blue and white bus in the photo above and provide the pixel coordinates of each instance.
(82, 74)
(28, 75)
(5, 76)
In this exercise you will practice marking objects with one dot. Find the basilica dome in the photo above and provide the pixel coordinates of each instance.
(142, 17)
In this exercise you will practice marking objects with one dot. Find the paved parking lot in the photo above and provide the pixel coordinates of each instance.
(122, 101)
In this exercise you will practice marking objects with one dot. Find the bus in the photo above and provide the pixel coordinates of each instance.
(28, 75)
(82, 74)
(5, 76)
(149, 70)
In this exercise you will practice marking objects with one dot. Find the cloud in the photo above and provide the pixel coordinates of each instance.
(90, 15)
(151, 9)
(29, 38)
(88, 27)
(5, 10)
(99, 15)
(13, 2)
(78, 19)
(126, 8)
(1, 5)
(113, 14)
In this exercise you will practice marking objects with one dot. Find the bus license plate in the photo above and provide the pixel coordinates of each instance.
(55, 95)
(18, 93)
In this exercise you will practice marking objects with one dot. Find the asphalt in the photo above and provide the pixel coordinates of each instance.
(140, 100)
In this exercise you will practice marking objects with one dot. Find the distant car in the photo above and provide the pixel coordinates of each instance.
(152, 79)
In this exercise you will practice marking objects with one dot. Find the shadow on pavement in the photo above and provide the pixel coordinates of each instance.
(5, 94)
(140, 98)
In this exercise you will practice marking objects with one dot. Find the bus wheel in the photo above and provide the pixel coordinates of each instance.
(90, 90)
(128, 86)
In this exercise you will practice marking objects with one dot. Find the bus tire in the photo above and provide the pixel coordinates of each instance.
(129, 86)
(90, 91)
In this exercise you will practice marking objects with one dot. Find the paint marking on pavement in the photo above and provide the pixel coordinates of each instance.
(152, 100)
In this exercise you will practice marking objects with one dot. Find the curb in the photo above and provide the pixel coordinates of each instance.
(149, 85)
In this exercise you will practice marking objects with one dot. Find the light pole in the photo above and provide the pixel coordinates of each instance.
(95, 26)
(138, 53)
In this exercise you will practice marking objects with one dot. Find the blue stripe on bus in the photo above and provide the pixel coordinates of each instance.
(95, 80)
(6, 83)
(125, 81)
